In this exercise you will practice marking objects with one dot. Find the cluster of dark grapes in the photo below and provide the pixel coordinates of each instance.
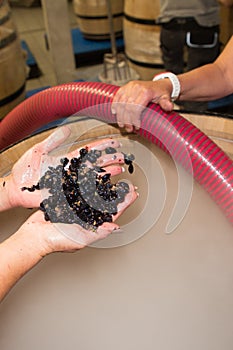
(80, 193)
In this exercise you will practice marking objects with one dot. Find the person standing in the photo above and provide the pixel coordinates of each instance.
(189, 36)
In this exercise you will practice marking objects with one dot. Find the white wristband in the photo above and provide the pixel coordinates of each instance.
(175, 83)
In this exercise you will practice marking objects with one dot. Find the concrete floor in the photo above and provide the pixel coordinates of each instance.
(31, 28)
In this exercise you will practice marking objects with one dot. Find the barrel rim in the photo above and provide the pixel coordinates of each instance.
(145, 64)
(206, 113)
(47, 127)
(8, 40)
(10, 98)
(98, 17)
(140, 20)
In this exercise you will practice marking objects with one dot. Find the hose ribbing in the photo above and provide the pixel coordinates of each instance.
(211, 167)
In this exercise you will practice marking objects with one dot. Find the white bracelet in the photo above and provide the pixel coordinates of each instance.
(175, 83)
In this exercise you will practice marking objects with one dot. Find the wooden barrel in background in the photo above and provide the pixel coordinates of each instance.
(226, 24)
(142, 36)
(218, 127)
(92, 18)
(25, 3)
(12, 63)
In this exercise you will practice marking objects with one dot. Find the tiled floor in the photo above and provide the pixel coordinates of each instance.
(31, 28)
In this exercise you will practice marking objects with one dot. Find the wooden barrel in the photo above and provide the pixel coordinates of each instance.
(12, 63)
(25, 3)
(92, 18)
(141, 36)
(226, 23)
(181, 282)
(218, 127)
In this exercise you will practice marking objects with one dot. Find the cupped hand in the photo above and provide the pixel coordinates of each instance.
(131, 99)
(28, 169)
(46, 237)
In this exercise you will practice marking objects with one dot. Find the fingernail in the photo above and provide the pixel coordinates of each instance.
(55, 138)
(58, 134)
(129, 129)
(118, 230)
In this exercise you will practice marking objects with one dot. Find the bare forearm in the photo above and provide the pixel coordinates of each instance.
(4, 193)
(203, 84)
(18, 254)
(211, 81)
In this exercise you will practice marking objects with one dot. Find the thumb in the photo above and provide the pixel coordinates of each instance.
(56, 138)
(106, 229)
(166, 104)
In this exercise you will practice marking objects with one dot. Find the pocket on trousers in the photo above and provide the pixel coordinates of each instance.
(202, 39)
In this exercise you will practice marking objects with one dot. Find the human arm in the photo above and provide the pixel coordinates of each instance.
(4, 195)
(37, 237)
(27, 171)
(211, 81)
(227, 3)
(208, 82)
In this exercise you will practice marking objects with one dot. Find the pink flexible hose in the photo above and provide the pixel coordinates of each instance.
(211, 167)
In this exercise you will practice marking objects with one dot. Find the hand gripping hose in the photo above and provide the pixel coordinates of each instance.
(211, 167)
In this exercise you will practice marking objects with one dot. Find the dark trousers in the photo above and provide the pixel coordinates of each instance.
(185, 45)
(200, 45)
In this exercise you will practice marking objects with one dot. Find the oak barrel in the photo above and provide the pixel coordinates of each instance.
(12, 62)
(142, 37)
(92, 18)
